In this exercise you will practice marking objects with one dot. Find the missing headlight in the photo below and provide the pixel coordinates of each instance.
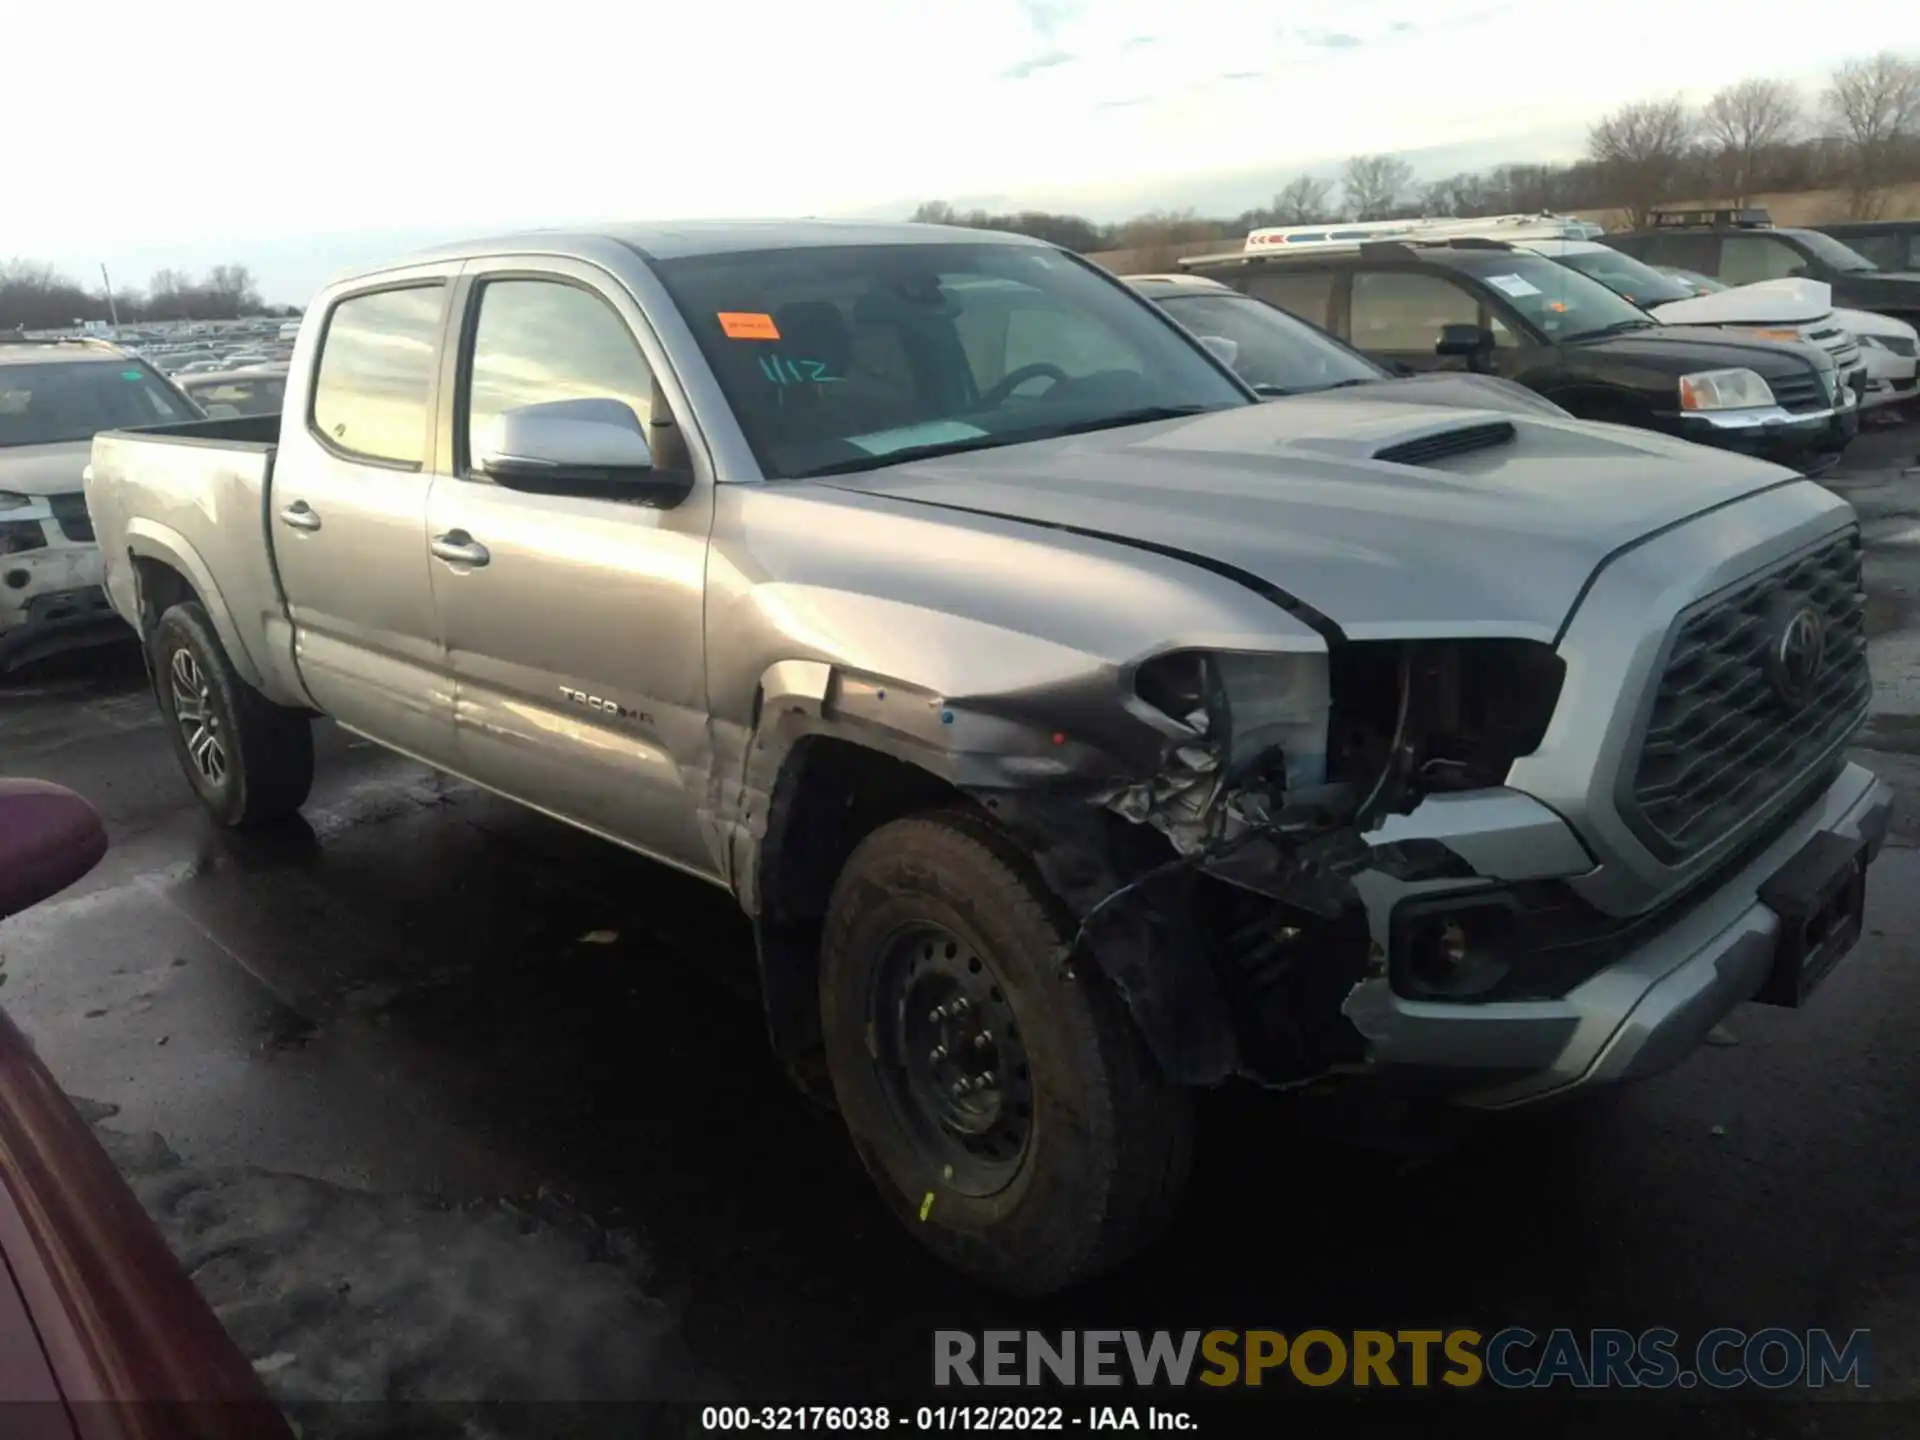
(1475, 707)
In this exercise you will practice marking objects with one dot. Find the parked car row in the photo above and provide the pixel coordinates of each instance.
(1091, 692)
(1769, 368)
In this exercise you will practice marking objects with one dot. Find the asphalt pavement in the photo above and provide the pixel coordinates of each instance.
(440, 1099)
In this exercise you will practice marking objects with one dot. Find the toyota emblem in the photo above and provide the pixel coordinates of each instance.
(1793, 664)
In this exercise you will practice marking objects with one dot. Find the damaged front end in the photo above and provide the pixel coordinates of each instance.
(1227, 909)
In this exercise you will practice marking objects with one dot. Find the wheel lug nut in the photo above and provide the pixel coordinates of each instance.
(939, 1054)
(986, 1078)
(936, 1015)
(960, 1005)
(982, 1040)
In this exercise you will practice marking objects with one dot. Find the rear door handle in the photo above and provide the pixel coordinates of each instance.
(300, 516)
(457, 547)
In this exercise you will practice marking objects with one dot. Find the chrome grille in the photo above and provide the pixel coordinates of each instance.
(1805, 391)
(1720, 743)
(1840, 345)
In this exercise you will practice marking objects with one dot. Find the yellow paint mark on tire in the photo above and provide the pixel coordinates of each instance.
(926, 1205)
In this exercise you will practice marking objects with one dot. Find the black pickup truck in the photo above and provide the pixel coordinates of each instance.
(1742, 247)
(1486, 306)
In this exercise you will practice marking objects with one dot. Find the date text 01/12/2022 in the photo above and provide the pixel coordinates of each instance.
(934, 1419)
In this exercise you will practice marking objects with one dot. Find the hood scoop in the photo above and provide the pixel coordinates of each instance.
(1445, 444)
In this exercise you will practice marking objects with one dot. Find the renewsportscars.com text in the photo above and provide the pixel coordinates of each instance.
(1513, 1358)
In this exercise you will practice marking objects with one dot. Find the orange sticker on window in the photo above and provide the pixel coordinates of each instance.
(739, 325)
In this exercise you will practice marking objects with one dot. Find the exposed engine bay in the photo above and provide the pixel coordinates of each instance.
(1276, 769)
(1294, 746)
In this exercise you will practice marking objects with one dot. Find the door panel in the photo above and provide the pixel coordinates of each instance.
(348, 518)
(576, 647)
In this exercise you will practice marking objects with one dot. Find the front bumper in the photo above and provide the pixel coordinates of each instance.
(52, 599)
(1772, 432)
(1638, 1016)
(1890, 377)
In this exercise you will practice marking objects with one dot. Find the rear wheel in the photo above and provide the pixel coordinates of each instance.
(250, 761)
(1008, 1111)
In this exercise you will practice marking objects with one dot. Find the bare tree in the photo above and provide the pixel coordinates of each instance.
(1374, 184)
(1641, 151)
(1876, 104)
(1303, 200)
(1743, 121)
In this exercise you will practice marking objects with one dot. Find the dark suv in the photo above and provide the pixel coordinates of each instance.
(1742, 247)
(1484, 305)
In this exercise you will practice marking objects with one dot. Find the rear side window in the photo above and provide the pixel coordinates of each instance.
(370, 396)
(1699, 253)
(1308, 295)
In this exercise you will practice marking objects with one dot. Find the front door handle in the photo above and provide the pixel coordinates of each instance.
(300, 515)
(457, 547)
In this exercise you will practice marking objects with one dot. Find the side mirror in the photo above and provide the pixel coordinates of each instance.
(1226, 351)
(590, 447)
(1463, 340)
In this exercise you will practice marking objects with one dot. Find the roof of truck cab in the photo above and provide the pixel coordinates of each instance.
(677, 239)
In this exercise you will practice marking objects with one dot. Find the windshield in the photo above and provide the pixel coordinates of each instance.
(834, 358)
(1627, 277)
(60, 400)
(1832, 252)
(1561, 302)
(1273, 350)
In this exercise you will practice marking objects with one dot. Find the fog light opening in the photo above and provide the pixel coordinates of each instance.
(17, 579)
(1458, 954)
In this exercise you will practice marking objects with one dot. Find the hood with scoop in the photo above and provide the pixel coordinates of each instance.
(42, 470)
(1373, 513)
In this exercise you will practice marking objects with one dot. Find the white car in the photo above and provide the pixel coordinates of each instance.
(1890, 347)
(54, 396)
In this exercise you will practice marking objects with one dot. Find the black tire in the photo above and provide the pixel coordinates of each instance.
(265, 750)
(1108, 1142)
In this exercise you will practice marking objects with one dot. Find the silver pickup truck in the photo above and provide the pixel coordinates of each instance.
(1077, 730)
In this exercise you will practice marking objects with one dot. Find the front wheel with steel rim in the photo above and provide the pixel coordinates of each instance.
(1007, 1110)
(250, 761)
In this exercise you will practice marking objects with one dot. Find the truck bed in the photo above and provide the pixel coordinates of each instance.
(200, 491)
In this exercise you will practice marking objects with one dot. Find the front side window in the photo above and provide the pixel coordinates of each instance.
(1683, 252)
(370, 397)
(55, 401)
(1306, 293)
(1401, 311)
(1273, 350)
(837, 358)
(538, 341)
(1747, 259)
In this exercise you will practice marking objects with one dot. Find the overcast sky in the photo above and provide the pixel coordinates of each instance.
(299, 138)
